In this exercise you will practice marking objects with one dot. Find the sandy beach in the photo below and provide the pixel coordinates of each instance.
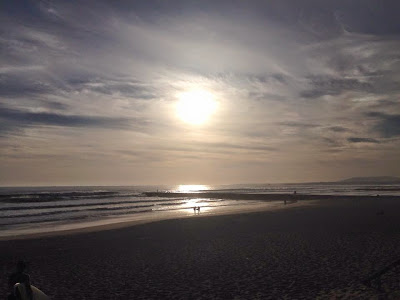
(324, 250)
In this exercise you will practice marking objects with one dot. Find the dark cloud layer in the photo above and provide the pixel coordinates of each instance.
(387, 125)
(20, 118)
(362, 140)
(14, 85)
(338, 129)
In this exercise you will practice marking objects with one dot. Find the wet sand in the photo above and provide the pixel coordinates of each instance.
(300, 252)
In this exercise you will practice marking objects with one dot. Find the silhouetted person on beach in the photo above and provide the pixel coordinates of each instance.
(19, 277)
(196, 208)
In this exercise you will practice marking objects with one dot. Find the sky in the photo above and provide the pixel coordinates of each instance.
(303, 90)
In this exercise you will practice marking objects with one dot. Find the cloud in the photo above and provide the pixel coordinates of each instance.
(369, 17)
(8, 129)
(388, 125)
(13, 85)
(18, 118)
(224, 146)
(298, 124)
(123, 87)
(331, 142)
(331, 86)
(362, 140)
(338, 129)
(205, 149)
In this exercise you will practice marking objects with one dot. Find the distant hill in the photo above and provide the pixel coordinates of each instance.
(378, 179)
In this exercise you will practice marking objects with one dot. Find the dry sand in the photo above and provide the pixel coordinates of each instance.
(302, 252)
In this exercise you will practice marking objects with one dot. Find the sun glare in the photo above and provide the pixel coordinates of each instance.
(187, 188)
(196, 106)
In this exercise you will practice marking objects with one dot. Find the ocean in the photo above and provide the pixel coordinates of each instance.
(26, 210)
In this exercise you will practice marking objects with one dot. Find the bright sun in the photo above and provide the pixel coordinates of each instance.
(196, 106)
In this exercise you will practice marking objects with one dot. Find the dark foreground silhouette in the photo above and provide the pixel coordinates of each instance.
(19, 277)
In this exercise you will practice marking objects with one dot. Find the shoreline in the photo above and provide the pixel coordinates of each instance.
(265, 200)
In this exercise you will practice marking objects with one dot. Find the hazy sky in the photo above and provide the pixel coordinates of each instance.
(304, 91)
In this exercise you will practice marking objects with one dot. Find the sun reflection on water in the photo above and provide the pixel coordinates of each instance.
(190, 188)
(194, 202)
(197, 202)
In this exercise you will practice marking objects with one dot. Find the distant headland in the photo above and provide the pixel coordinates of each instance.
(376, 179)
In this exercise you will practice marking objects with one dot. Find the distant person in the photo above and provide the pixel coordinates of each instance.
(196, 209)
(19, 277)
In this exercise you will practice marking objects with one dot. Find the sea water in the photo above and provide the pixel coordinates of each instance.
(25, 210)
